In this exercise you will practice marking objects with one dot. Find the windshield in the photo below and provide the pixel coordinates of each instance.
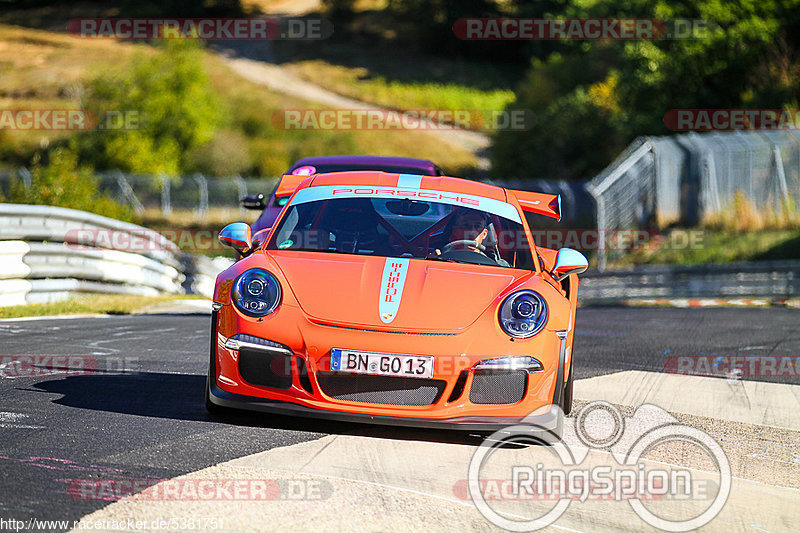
(383, 224)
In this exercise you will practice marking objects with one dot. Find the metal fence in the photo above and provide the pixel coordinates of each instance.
(195, 193)
(688, 178)
(199, 194)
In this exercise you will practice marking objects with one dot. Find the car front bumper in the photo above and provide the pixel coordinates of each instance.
(548, 421)
(303, 392)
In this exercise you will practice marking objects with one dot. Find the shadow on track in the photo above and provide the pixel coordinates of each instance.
(180, 397)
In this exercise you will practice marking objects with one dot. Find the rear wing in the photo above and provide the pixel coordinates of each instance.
(540, 203)
(288, 184)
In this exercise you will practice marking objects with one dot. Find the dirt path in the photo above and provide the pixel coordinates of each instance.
(255, 63)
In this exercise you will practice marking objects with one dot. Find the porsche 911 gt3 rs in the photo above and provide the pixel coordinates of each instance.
(397, 299)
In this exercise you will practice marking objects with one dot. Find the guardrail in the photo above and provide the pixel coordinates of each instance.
(770, 279)
(49, 253)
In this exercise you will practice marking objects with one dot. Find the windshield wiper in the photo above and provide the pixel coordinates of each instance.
(323, 250)
(448, 260)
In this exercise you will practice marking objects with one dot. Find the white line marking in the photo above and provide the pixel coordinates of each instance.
(56, 317)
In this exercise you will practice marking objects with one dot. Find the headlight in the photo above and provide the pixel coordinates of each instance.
(256, 293)
(523, 314)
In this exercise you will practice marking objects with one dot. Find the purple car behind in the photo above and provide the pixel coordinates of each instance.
(335, 163)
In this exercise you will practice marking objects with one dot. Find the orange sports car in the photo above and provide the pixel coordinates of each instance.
(397, 299)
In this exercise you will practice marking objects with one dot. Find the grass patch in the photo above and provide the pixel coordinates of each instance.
(696, 246)
(359, 83)
(742, 216)
(111, 304)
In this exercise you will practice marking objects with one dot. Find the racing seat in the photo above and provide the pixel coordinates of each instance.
(351, 225)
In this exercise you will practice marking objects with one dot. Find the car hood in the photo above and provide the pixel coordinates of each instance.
(351, 290)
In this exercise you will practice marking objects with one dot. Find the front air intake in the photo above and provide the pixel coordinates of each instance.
(265, 369)
(386, 390)
(492, 387)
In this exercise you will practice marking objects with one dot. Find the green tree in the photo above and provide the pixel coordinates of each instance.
(172, 106)
(592, 98)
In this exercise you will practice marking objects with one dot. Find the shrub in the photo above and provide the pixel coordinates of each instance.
(61, 182)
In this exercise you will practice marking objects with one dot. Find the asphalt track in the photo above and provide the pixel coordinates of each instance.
(140, 414)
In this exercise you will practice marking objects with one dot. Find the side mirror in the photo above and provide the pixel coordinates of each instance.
(569, 261)
(253, 201)
(237, 236)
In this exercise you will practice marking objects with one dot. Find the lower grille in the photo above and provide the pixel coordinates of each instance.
(380, 389)
(265, 369)
(490, 387)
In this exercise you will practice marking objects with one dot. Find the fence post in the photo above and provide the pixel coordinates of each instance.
(202, 209)
(127, 192)
(601, 234)
(241, 185)
(166, 203)
(781, 175)
(26, 177)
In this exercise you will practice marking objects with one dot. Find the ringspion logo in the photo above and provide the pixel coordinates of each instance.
(602, 455)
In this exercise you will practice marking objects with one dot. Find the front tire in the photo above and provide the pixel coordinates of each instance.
(211, 407)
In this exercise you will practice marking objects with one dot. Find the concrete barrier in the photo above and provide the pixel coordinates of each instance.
(50, 253)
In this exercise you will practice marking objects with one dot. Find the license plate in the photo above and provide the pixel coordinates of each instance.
(384, 364)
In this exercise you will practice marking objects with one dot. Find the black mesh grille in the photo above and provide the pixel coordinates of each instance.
(498, 387)
(265, 369)
(380, 389)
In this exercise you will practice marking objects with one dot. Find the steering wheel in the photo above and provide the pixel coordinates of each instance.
(463, 244)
